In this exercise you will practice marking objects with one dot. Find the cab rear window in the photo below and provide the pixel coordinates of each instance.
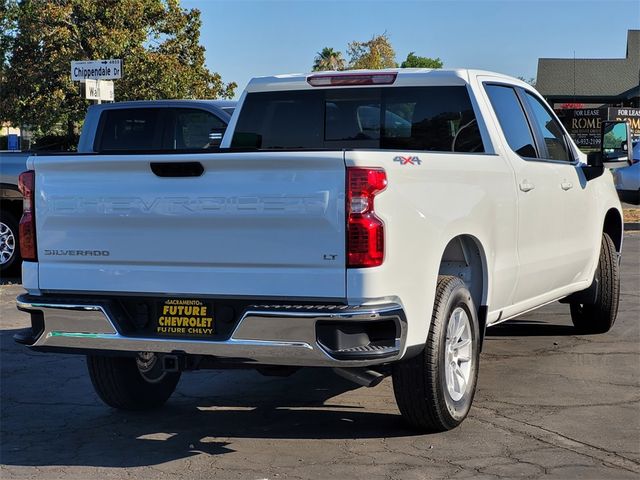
(147, 129)
(130, 129)
(394, 118)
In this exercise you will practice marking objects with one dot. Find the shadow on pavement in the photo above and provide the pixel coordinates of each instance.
(50, 415)
(530, 328)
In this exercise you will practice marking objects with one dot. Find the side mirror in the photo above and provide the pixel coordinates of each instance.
(615, 142)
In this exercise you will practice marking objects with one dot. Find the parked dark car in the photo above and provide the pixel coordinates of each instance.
(141, 125)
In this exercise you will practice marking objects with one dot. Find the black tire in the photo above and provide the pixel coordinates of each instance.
(12, 265)
(419, 383)
(119, 383)
(600, 316)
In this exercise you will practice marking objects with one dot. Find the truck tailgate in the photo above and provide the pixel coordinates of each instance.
(261, 225)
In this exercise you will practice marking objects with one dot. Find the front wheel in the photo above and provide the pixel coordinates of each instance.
(434, 390)
(599, 317)
(131, 383)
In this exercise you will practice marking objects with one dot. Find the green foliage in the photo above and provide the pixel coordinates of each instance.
(531, 80)
(8, 24)
(375, 54)
(414, 61)
(158, 41)
(328, 59)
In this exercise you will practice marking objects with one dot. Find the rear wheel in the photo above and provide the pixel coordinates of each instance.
(600, 316)
(9, 247)
(130, 383)
(434, 390)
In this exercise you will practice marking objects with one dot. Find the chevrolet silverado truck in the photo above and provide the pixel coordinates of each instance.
(139, 125)
(373, 222)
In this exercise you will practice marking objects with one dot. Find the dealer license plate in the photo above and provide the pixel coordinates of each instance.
(184, 317)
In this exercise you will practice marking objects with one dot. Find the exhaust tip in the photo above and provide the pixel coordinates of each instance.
(362, 376)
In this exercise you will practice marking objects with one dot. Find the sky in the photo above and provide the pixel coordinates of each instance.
(248, 38)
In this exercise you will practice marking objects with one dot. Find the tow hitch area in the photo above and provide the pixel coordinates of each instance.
(171, 363)
(153, 366)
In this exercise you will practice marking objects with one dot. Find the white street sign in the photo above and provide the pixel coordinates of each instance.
(98, 90)
(96, 69)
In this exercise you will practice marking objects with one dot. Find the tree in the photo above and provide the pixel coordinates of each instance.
(375, 54)
(158, 41)
(414, 61)
(328, 59)
(531, 80)
(8, 23)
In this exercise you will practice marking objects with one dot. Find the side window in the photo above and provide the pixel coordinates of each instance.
(129, 129)
(512, 120)
(195, 129)
(550, 129)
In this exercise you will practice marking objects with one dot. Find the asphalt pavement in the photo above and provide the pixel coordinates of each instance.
(550, 404)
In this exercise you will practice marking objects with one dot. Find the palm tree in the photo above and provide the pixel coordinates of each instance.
(328, 59)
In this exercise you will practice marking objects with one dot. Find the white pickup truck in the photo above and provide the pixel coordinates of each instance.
(374, 222)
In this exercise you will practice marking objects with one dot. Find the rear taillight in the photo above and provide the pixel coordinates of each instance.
(26, 184)
(365, 231)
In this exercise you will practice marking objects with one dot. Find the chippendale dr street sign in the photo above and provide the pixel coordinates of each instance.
(96, 69)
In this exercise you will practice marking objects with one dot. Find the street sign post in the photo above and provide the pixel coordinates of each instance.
(96, 69)
(98, 90)
(96, 77)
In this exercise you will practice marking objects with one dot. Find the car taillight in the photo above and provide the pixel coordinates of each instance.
(27, 227)
(365, 231)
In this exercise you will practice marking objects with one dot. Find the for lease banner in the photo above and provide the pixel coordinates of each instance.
(583, 124)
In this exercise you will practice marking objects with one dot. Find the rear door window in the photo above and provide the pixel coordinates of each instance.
(512, 120)
(394, 118)
(192, 129)
(550, 129)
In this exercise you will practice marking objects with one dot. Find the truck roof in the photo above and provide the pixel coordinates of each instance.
(167, 103)
(405, 77)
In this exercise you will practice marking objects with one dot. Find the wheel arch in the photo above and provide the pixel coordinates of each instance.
(614, 227)
(464, 257)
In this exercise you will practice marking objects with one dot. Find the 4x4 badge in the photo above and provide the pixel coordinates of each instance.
(408, 160)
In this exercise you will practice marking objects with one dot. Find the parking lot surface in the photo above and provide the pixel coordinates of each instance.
(550, 404)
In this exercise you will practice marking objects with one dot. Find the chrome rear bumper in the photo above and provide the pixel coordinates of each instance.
(271, 335)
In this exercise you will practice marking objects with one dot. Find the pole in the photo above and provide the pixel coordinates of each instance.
(574, 76)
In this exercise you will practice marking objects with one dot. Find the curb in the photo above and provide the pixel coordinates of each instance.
(631, 226)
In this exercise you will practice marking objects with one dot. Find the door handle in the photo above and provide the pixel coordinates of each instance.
(566, 186)
(177, 169)
(526, 186)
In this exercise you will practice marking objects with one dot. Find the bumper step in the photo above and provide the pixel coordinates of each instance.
(371, 350)
(25, 336)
